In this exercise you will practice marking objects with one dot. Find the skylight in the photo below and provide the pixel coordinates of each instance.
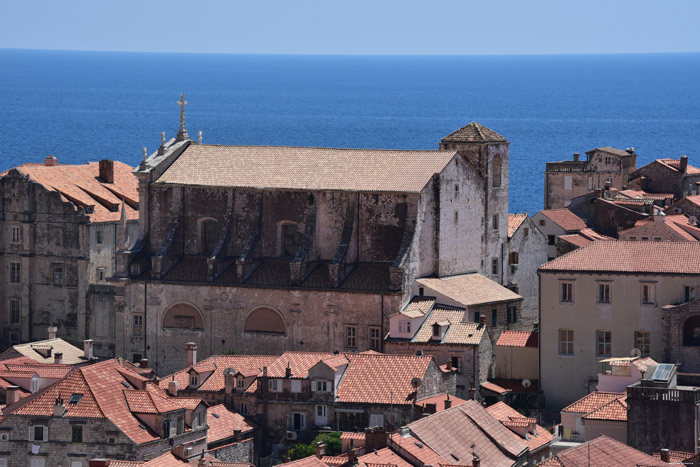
(75, 398)
(126, 385)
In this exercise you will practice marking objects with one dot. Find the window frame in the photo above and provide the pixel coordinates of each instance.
(405, 326)
(606, 343)
(375, 337)
(15, 272)
(494, 318)
(98, 237)
(15, 235)
(646, 342)
(566, 292)
(568, 341)
(14, 308)
(351, 335)
(457, 363)
(603, 295)
(57, 275)
(494, 266)
(33, 433)
(648, 298)
(76, 433)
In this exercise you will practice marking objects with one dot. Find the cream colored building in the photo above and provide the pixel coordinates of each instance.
(605, 300)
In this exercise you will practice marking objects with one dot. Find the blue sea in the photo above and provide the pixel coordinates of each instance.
(85, 106)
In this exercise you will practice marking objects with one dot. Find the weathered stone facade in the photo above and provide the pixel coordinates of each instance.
(673, 176)
(285, 266)
(681, 335)
(55, 263)
(567, 179)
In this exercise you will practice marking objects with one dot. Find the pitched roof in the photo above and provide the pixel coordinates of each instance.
(493, 387)
(385, 457)
(507, 415)
(418, 306)
(469, 289)
(602, 451)
(458, 331)
(305, 168)
(311, 461)
(675, 165)
(222, 422)
(565, 219)
(81, 185)
(414, 448)
(610, 150)
(518, 339)
(452, 433)
(514, 222)
(439, 401)
(381, 379)
(72, 355)
(473, 133)
(592, 401)
(630, 257)
(103, 386)
(299, 362)
(615, 411)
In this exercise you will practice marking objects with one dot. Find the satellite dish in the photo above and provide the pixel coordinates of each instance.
(692, 220)
(526, 383)
(415, 382)
(635, 352)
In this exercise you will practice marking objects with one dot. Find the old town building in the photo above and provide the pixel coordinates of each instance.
(604, 167)
(259, 249)
(61, 226)
(554, 223)
(603, 300)
(681, 331)
(673, 176)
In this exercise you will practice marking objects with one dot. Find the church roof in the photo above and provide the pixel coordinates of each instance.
(474, 133)
(306, 168)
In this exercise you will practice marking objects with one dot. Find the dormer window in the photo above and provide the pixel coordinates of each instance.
(194, 380)
(321, 386)
(436, 330)
(405, 326)
(241, 383)
(35, 384)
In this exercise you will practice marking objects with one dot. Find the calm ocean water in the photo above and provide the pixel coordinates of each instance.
(83, 106)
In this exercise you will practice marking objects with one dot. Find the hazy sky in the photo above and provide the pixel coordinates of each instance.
(355, 26)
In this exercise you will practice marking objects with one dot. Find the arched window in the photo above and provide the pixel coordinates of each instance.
(208, 236)
(290, 239)
(496, 169)
(265, 319)
(183, 316)
(691, 331)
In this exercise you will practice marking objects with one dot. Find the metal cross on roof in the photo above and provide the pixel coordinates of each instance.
(182, 134)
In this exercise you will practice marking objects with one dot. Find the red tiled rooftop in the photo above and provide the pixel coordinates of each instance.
(614, 411)
(602, 451)
(311, 461)
(81, 185)
(222, 425)
(518, 339)
(514, 222)
(416, 449)
(439, 401)
(509, 416)
(565, 219)
(352, 435)
(494, 387)
(630, 257)
(675, 165)
(299, 362)
(383, 456)
(592, 401)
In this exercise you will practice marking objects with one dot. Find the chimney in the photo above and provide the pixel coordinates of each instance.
(448, 402)
(629, 150)
(59, 408)
(53, 330)
(448, 365)
(87, 349)
(107, 170)
(236, 435)
(143, 363)
(352, 456)
(172, 388)
(482, 320)
(58, 357)
(472, 393)
(684, 164)
(375, 439)
(476, 461)
(665, 455)
(577, 157)
(11, 394)
(288, 371)
(190, 354)
(51, 161)
(320, 450)
(99, 462)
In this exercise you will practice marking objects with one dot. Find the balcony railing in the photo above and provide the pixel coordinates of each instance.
(664, 394)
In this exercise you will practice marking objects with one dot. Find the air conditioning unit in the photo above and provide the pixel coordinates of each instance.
(292, 435)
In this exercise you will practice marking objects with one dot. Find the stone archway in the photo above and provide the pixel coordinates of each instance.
(183, 316)
(266, 320)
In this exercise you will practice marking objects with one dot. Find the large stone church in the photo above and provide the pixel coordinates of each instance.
(260, 249)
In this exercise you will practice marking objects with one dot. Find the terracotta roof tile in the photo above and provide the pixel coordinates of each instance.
(565, 219)
(615, 411)
(679, 456)
(439, 401)
(72, 355)
(334, 460)
(381, 379)
(458, 331)
(602, 451)
(306, 168)
(592, 401)
(452, 433)
(489, 386)
(514, 222)
(469, 289)
(311, 461)
(299, 362)
(80, 184)
(630, 257)
(508, 415)
(416, 449)
(473, 133)
(222, 425)
(418, 306)
(515, 385)
(383, 456)
(675, 165)
(352, 435)
(610, 150)
(518, 339)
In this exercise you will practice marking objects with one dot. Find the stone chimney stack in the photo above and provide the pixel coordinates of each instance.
(577, 156)
(59, 408)
(58, 357)
(51, 161)
(472, 392)
(476, 461)
(190, 354)
(665, 455)
(448, 402)
(236, 435)
(320, 450)
(172, 388)
(288, 371)
(107, 170)
(87, 349)
(53, 330)
(143, 363)
(11, 394)
(352, 456)
(482, 321)
(684, 164)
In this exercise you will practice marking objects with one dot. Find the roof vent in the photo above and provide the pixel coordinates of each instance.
(51, 161)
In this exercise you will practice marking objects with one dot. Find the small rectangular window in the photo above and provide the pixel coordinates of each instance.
(526, 232)
(567, 182)
(15, 273)
(15, 311)
(98, 237)
(567, 292)
(138, 324)
(375, 338)
(456, 216)
(642, 341)
(274, 385)
(477, 316)
(494, 318)
(566, 342)
(456, 363)
(648, 294)
(100, 274)
(603, 343)
(552, 239)
(180, 424)
(58, 276)
(76, 434)
(513, 257)
(404, 326)
(351, 336)
(542, 222)
(15, 234)
(603, 293)
(495, 222)
(494, 266)
(688, 293)
(136, 357)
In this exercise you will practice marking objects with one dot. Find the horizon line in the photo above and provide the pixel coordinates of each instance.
(347, 54)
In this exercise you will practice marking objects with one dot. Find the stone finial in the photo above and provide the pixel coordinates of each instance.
(200, 136)
(162, 138)
(145, 154)
(182, 134)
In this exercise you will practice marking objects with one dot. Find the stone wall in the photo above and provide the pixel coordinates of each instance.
(674, 319)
